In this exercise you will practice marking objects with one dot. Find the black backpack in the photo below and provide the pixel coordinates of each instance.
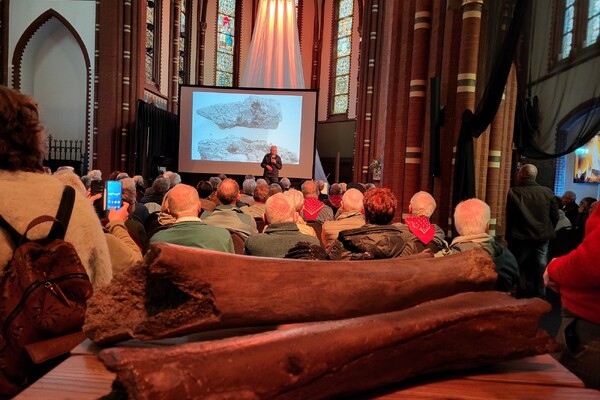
(43, 293)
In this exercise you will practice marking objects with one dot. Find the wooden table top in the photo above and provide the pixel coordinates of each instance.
(82, 376)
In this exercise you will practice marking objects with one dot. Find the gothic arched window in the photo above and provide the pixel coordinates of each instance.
(153, 8)
(340, 60)
(226, 36)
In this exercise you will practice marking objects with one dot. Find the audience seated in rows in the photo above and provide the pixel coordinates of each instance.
(247, 195)
(155, 194)
(471, 219)
(227, 214)
(570, 206)
(314, 209)
(282, 232)
(261, 194)
(285, 184)
(297, 200)
(188, 230)
(334, 200)
(377, 238)
(417, 224)
(23, 181)
(205, 189)
(349, 216)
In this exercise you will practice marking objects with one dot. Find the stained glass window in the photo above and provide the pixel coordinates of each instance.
(225, 42)
(341, 56)
(183, 34)
(593, 23)
(152, 40)
(567, 31)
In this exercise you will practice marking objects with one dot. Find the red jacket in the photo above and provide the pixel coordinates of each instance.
(578, 273)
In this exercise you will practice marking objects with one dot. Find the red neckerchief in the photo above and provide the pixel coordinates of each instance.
(335, 200)
(312, 207)
(421, 228)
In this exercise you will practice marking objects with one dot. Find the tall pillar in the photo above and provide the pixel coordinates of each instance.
(364, 152)
(467, 70)
(417, 102)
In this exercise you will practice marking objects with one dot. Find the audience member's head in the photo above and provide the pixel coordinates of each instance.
(87, 181)
(344, 186)
(95, 174)
(248, 186)
(261, 193)
(183, 201)
(356, 185)
(296, 198)
(160, 185)
(228, 192)
(585, 204)
(568, 197)
(113, 175)
(250, 176)
(279, 209)
(310, 189)
(204, 189)
(422, 204)
(285, 183)
(528, 172)
(472, 217)
(335, 190)
(65, 168)
(370, 185)
(261, 181)
(222, 177)
(128, 190)
(215, 182)
(320, 185)
(174, 179)
(274, 188)
(22, 141)
(352, 200)
(122, 175)
(380, 206)
(139, 182)
(71, 179)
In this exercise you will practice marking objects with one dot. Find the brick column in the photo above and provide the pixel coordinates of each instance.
(417, 102)
(364, 153)
(467, 70)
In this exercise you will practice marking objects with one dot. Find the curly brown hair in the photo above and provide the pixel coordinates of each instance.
(380, 206)
(22, 146)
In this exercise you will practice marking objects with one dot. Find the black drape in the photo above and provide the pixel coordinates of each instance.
(474, 124)
(156, 140)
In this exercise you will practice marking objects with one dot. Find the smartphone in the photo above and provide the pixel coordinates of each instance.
(112, 195)
(96, 187)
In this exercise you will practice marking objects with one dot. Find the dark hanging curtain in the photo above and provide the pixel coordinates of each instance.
(156, 140)
(474, 124)
(561, 136)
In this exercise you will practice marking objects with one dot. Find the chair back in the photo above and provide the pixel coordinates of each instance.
(238, 241)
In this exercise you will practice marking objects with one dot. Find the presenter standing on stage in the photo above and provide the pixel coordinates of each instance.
(272, 164)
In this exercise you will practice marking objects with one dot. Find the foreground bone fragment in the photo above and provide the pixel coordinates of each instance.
(325, 359)
(178, 290)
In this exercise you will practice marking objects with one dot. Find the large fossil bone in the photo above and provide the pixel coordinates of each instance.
(179, 290)
(324, 359)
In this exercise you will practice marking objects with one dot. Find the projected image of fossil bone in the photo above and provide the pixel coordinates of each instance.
(237, 127)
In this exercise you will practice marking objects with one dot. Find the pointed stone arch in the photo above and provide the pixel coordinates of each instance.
(26, 38)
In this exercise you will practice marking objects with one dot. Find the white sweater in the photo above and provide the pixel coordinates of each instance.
(27, 195)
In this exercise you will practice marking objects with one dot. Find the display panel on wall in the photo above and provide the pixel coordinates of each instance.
(229, 130)
(587, 162)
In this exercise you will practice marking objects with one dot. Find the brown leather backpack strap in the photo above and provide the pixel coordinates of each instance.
(36, 221)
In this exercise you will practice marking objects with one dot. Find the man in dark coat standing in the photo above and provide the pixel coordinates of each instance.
(272, 164)
(531, 215)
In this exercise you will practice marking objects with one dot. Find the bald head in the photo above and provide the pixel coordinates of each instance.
(228, 192)
(183, 201)
(279, 209)
(352, 200)
(422, 204)
(471, 217)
